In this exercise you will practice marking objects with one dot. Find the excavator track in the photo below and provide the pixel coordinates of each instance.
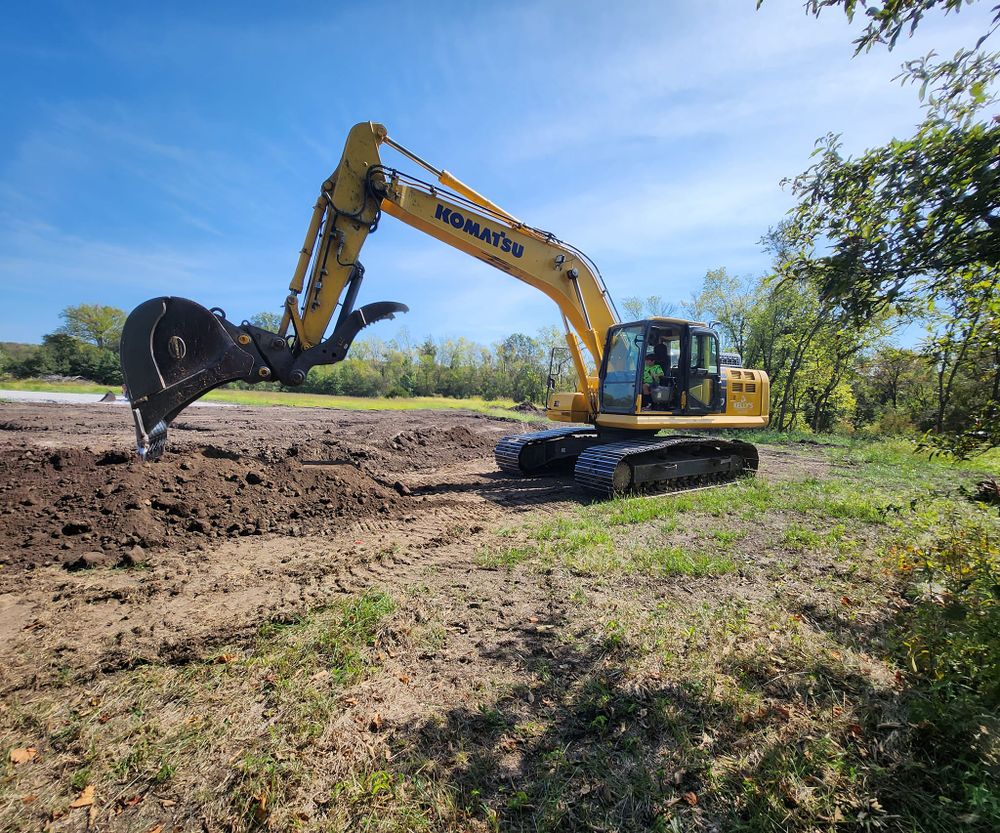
(637, 464)
(660, 464)
(533, 453)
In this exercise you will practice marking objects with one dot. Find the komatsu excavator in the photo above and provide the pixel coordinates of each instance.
(643, 376)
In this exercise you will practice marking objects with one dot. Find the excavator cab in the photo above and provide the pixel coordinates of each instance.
(684, 377)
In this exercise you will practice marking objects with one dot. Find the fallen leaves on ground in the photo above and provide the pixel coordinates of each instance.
(22, 754)
(85, 798)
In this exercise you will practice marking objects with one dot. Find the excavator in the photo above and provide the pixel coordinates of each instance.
(642, 378)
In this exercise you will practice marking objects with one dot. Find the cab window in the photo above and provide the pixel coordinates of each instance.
(625, 350)
(704, 353)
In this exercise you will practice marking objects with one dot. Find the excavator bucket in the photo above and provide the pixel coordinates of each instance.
(172, 352)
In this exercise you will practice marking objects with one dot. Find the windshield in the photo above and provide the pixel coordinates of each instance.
(625, 349)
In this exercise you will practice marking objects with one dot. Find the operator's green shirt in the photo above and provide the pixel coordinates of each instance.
(651, 374)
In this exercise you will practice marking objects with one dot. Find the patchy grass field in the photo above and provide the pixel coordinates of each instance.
(812, 650)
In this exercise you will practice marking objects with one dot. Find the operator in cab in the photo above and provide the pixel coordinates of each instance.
(652, 374)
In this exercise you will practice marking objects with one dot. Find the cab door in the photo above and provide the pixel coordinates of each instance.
(621, 370)
(700, 361)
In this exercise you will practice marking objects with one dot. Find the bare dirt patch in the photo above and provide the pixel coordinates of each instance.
(293, 474)
(144, 675)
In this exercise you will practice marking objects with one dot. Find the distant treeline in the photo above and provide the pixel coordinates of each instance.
(828, 373)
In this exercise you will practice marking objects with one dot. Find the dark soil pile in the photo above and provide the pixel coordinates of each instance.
(72, 491)
(423, 446)
(61, 503)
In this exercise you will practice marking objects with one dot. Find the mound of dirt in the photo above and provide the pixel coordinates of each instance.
(425, 446)
(63, 503)
(528, 408)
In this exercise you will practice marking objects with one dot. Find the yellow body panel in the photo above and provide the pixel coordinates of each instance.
(747, 406)
(568, 406)
(647, 421)
(748, 393)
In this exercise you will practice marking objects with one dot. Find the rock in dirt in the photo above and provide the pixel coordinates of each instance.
(132, 557)
(89, 560)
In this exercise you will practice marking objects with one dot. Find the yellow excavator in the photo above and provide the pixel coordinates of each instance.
(643, 377)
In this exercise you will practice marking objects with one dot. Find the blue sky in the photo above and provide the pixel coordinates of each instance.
(177, 148)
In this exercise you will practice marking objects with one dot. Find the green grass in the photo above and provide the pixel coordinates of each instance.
(239, 725)
(360, 403)
(584, 545)
(56, 387)
(794, 686)
(262, 398)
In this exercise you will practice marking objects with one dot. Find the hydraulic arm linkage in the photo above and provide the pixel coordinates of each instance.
(174, 350)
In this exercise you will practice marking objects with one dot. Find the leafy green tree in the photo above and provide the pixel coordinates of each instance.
(894, 388)
(358, 378)
(520, 360)
(650, 306)
(915, 224)
(905, 219)
(68, 356)
(728, 301)
(266, 321)
(890, 18)
(93, 323)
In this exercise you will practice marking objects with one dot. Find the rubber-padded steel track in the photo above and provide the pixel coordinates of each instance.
(509, 450)
(606, 469)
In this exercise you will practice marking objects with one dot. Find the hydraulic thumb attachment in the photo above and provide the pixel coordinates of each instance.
(173, 351)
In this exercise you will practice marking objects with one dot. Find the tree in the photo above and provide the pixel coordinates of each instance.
(914, 225)
(266, 321)
(886, 22)
(68, 356)
(94, 323)
(727, 300)
(652, 305)
(520, 361)
(904, 219)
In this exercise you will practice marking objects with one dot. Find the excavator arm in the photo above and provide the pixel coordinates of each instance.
(173, 350)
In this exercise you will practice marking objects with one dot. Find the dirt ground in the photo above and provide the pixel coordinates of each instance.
(251, 514)
(257, 516)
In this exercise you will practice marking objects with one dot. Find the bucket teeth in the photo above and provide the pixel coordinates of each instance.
(152, 446)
